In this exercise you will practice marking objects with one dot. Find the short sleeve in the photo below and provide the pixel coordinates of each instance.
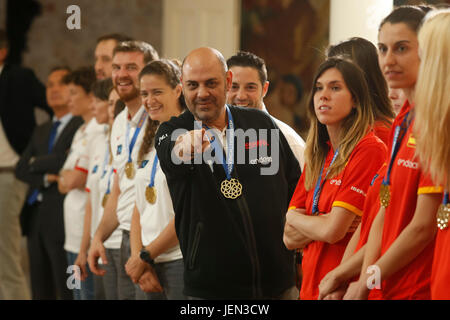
(300, 194)
(358, 174)
(427, 186)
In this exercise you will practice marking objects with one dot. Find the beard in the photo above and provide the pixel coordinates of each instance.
(127, 96)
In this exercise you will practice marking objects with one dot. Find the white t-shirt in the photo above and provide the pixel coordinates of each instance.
(294, 140)
(119, 149)
(154, 217)
(75, 200)
(97, 184)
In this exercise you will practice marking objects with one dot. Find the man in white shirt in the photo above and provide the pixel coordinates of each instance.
(126, 137)
(249, 88)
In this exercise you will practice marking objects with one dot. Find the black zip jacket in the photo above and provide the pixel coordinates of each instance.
(230, 252)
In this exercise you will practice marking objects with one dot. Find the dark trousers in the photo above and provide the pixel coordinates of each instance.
(48, 263)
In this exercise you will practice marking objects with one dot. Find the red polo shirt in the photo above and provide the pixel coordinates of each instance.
(382, 131)
(440, 275)
(348, 190)
(407, 182)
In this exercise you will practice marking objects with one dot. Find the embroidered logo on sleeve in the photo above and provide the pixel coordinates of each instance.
(119, 149)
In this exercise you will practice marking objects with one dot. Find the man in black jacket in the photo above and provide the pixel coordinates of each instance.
(42, 216)
(20, 92)
(229, 205)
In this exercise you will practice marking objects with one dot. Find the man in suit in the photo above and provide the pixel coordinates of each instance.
(20, 92)
(42, 217)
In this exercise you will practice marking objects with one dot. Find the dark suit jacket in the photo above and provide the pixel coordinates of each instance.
(34, 163)
(20, 92)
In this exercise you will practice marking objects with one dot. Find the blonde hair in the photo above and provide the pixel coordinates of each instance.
(432, 97)
(354, 127)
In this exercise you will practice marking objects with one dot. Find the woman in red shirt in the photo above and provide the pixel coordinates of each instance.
(364, 54)
(401, 239)
(342, 156)
(433, 122)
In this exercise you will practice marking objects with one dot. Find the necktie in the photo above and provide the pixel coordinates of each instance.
(51, 140)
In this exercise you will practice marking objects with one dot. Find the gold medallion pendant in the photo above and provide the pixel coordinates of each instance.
(442, 216)
(150, 194)
(385, 195)
(105, 199)
(129, 170)
(231, 189)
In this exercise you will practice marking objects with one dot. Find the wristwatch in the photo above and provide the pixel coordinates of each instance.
(146, 257)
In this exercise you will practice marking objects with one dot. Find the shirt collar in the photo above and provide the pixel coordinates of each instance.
(135, 120)
(64, 120)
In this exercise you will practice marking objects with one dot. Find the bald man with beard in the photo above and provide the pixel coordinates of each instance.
(229, 213)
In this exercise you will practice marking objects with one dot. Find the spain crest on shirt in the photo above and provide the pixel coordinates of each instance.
(411, 141)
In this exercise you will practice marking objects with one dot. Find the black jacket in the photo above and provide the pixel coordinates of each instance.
(20, 92)
(230, 252)
(34, 163)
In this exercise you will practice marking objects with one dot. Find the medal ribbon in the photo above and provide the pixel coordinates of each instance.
(399, 134)
(319, 184)
(130, 146)
(227, 163)
(108, 189)
(445, 201)
(152, 177)
(105, 159)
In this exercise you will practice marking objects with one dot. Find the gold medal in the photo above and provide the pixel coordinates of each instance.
(385, 195)
(105, 199)
(231, 189)
(150, 194)
(442, 216)
(129, 170)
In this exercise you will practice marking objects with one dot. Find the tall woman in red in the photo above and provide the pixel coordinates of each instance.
(342, 156)
(401, 239)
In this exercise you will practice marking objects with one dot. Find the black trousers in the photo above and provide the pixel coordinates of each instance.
(48, 261)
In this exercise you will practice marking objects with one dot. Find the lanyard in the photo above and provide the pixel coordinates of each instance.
(399, 134)
(319, 184)
(152, 176)
(136, 133)
(227, 163)
(105, 159)
(445, 201)
(108, 189)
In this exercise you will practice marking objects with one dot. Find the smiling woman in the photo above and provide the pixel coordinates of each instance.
(156, 262)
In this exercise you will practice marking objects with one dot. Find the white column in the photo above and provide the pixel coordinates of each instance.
(357, 18)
